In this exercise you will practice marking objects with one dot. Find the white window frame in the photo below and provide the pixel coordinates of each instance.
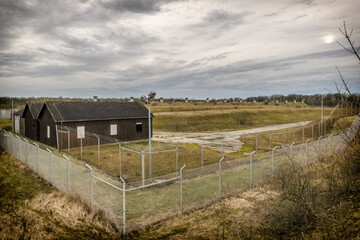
(48, 131)
(80, 132)
(113, 129)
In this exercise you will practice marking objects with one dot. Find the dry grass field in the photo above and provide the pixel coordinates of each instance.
(206, 117)
(5, 123)
(191, 154)
(318, 201)
(162, 163)
(31, 209)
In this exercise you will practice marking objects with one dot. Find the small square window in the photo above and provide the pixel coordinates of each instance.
(81, 132)
(48, 131)
(113, 129)
(138, 127)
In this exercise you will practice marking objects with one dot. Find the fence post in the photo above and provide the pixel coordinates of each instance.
(291, 150)
(319, 147)
(98, 150)
(220, 176)
(256, 147)
(91, 186)
(5, 140)
(19, 147)
(222, 148)
(177, 159)
(37, 159)
(124, 206)
(81, 147)
(68, 140)
(68, 173)
(270, 142)
(27, 151)
(13, 144)
(293, 135)
(119, 156)
(285, 138)
(312, 131)
(303, 135)
(240, 150)
(319, 126)
(202, 159)
(251, 154)
(306, 149)
(51, 166)
(273, 159)
(181, 188)
(142, 166)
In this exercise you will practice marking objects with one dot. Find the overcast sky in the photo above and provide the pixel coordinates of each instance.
(194, 48)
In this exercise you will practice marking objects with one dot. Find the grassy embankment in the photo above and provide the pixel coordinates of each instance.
(230, 117)
(203, 106)
(318, 201)
(31, 208)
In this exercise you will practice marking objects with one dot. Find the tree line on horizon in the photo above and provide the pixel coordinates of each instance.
(330, 99)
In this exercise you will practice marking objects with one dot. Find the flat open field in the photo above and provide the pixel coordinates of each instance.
(191, 154)
(205, 117)
(162, 163)
(110, 158)
(157, 107)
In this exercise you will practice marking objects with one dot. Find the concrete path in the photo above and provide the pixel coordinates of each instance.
(216, 139)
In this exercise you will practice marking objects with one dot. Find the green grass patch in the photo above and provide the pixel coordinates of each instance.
(233, 120)
(5, 124)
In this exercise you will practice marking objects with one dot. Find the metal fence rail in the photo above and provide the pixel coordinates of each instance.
(135, 204)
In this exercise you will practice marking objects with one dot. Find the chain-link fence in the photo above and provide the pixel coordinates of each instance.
(131, 160)
(173, 189)
(67, 175)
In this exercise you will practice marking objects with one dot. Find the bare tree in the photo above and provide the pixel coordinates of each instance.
(352, 49)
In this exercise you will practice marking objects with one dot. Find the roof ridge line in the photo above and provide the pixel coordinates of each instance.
(58, 111)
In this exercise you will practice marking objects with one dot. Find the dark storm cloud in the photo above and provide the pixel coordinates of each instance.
(222, 17)
(13, 13)
(136, 6)
(217, 21)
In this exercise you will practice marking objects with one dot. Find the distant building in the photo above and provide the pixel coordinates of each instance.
(30, 115)
(19, 126)
(125, 121)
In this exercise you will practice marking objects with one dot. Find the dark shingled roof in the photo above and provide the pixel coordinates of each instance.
(34, 109)
(91, 111)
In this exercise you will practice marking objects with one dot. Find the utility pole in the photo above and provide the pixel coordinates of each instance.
(148, 99)
(322, 115)
(12, 115)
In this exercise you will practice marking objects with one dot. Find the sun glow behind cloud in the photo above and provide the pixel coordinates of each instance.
(329, 39)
